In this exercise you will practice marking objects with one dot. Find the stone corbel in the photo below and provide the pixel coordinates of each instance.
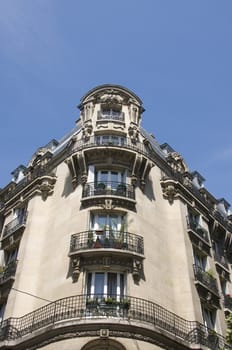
(77, 167)
(76, 269)
(46, 187)
(87, 130)
(133, 132)
(169, 190)
(136, 269)
(147, 167)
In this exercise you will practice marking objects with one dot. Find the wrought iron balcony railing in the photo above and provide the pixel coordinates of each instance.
(206, 279)
(127, 143)
(110, 115)
(198, 229)
(8, 271)
(87, 307)
(14, 225)
(108, 188)
(221, 259)
(110, 239)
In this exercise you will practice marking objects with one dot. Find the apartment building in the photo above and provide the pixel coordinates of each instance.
(109, 241)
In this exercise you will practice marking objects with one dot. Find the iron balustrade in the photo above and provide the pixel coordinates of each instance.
(221, 259)
(94, 239)
(127, 143)
(8, 271)
(87, 307)
(197, 228)
(107, 188)
(205, 278)
(110, 115)
(14, 225)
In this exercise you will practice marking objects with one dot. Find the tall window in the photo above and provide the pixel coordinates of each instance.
(111, 222)
(11, 256)
(2, 311)
(209, 317)
(105, 284)
(200, 260)
(109, 177)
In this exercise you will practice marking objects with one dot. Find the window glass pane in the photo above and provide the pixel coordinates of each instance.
(103, 176)
(99, 283)
(121, 284)
(105, 139)
(102, 221)
(112, 284)
(89, 280)
(113, 222)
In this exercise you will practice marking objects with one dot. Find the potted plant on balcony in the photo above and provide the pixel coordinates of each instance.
(213, 338)
(125, 304)
(90, 239)
(100, 187)
(121, 189)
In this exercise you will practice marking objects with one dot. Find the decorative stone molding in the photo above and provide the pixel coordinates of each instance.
(137, 269)
(87, 130)
(76, 268)
(177, 162)
(133, 132)
(46, 187)
(169, 190)
(77, 166)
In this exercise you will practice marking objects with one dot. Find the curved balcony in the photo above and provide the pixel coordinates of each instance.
(126, 143)
(84, 312)
(96, 193)
(126, 242)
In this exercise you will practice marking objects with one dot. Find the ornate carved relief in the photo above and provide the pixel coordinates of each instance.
(77, 166)
(133, 132)
(87, 130)
(169, 190)
(177, 162)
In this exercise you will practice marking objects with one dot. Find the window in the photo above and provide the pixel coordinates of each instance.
(110, 222)
(209, 317)
(2, 311)
(105, 284)
(194, 220)
(11, 256)
(109, 178)
(110, 140)
(111, 113)
(200, 260)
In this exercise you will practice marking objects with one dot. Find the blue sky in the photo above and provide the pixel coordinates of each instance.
(174, 54)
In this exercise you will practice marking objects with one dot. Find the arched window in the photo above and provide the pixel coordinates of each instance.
(103, 344)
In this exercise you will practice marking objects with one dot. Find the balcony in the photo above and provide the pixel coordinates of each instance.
(106, 239)
(197, 229)
(222, 260)
(92, 312)
(95, 193)
(13, 230)
(227, 303)
(14, 225)
(206, 280)
(8, 272)
(127, 143)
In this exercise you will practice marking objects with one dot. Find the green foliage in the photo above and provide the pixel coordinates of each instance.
(229, 328)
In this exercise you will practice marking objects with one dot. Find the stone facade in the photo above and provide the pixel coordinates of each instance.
(108, 241)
